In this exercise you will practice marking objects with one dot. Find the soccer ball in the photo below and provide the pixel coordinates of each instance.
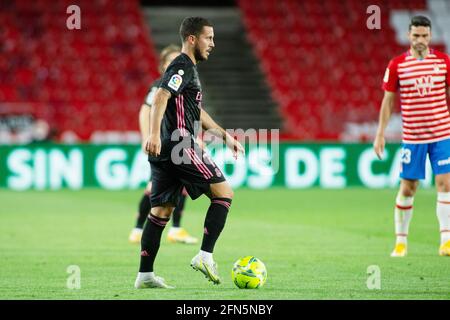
(249, 273)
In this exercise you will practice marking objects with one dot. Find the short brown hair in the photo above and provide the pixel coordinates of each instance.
(193, 26)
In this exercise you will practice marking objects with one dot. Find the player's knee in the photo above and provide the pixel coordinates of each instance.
(443, 186)
(408, 192)
(222, 191)
(223, 194)
(227, 193)
(230, 194)
(408, 188)
(162, 212)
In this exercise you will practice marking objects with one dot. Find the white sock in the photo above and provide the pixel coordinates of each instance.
(402, 217)
(206, 256)
(443, 213)
(138, 230)
(145, 275)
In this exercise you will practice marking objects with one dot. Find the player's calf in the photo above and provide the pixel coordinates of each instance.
(402, 216)
(443, 213)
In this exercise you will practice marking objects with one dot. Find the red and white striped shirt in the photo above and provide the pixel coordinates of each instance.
(423, 95)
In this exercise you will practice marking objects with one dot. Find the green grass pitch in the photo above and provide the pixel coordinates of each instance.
(316, 244)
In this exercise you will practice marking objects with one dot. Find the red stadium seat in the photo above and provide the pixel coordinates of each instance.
(77, 73)
(323, 67)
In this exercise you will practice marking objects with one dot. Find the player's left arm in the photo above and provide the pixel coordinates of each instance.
(211, 126)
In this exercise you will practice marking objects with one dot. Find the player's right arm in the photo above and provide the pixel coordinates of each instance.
(173, 82)
(153, 145)
(144, 117)
(390, 87)
(387, 107)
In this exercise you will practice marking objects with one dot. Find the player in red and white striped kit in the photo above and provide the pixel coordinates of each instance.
(421, 75)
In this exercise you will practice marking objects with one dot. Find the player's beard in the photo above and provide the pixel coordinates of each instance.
(420, 48)
(198, 55)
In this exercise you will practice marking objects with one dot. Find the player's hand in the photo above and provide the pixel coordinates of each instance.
(153, 146)
(378, 146)
(144, 146)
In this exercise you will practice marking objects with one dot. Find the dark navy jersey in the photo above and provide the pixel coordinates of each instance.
(184, 106)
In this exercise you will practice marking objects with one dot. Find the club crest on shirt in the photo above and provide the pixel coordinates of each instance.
(424, 85)
(175, 82)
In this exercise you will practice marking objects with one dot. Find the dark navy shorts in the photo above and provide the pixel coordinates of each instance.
(193, 169)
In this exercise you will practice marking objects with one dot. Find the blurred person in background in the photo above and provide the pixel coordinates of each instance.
(24, 129)
(176, 232)
(41, 131)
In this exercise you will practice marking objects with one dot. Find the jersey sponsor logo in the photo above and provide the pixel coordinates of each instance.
(424, 85)
(386, 75)
(175, 82)
(444, 162)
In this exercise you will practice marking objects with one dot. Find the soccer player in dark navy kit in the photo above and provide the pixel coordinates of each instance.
(177, 161)
(176, 233)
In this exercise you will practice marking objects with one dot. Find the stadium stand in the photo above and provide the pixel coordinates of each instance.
(324, 66)
(87, 80)
(235, 91)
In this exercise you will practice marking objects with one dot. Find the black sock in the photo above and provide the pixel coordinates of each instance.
(176, 215)
(214, 222)
(144, 210)
(151, 238)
